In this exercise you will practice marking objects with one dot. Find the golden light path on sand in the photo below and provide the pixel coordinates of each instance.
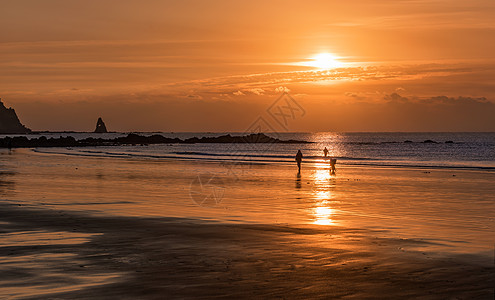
(322, 212)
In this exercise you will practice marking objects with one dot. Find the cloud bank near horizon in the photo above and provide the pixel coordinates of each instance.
(393, 113)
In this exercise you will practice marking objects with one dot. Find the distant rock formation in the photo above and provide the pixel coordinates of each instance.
(100, 126)
(9, 122)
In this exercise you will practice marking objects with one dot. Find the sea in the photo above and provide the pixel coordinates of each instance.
(457, 150)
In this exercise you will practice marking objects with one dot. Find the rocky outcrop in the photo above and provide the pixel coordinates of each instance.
(253, 138)
(135, 139)
(9, 122)
(100, 126)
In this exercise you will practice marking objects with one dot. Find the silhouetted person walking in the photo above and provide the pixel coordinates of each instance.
(299, 157)
(325, 152)
(333, 161)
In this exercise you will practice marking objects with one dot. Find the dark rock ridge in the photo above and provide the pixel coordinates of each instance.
(9, 122)
(135, 139)
(100, 126)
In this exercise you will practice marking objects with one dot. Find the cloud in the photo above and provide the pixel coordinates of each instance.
(282, 89)
(369, 112)
(238, 93)
(195, 96)
(279, 81)
(458, 100)
(400, 113)
(396, 98)
(436, 100)
(257, 91)
(474, 16)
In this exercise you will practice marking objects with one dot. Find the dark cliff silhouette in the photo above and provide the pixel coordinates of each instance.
(100, 126)
(9, 122)
(135, 139)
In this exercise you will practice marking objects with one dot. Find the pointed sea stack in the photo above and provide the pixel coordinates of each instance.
(9, 122)
(100, 126)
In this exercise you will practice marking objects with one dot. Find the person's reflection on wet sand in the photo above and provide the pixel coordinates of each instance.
(298, 180)
(333, 161)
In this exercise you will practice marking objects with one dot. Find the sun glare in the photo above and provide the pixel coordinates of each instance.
(325, 61)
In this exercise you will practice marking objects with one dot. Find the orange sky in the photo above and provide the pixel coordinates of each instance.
(408, 65)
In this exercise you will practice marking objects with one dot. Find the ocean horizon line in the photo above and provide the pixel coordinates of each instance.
(239, 132)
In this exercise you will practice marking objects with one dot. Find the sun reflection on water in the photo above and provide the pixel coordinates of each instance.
(322, 195)
(322, 176)
(322, 213)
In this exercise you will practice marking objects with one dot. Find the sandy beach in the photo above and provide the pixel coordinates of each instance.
(109, 228)
(179, 258)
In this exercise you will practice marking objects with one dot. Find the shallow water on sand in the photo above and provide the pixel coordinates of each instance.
(452, 209)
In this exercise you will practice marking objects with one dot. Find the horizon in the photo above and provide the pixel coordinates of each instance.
(241, 132)
(402, 66)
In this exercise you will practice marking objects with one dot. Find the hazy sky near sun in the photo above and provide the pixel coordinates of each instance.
(407, 65)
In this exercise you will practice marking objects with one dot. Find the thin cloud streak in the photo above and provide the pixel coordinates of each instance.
(370, 73)
(446, 20)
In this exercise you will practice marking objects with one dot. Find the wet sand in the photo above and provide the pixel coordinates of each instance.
(155, 258)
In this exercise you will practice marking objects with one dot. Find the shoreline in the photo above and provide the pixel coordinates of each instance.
(319, 160)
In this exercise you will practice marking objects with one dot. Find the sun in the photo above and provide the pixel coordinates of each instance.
(325, 61)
